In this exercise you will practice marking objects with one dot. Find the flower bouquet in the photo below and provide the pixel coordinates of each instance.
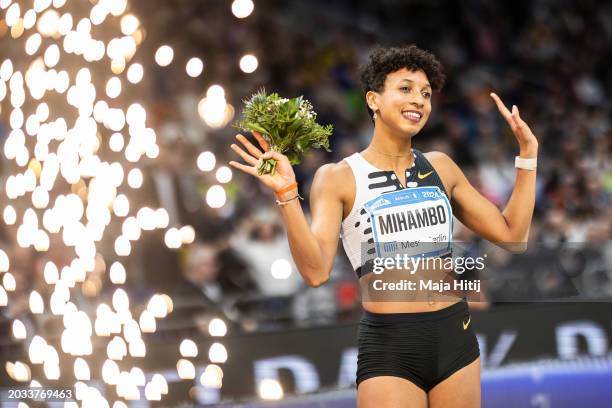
(288, 125)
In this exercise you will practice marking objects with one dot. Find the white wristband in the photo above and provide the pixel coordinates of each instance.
(527, 164)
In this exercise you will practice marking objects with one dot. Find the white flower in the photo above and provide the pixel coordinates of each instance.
(279, 102)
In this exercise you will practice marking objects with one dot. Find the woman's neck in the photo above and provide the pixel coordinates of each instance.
(388, 150)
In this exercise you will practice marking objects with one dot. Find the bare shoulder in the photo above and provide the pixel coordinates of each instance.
(336, 181)
(446, 168)
(437, 157)
(338, 169)
(334, 176)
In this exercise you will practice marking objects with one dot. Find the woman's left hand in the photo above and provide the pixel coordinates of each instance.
(528, 143)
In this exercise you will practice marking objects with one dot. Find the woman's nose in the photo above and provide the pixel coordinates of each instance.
(417, 99)
(417, 103)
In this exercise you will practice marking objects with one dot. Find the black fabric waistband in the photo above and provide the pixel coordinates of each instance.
(459, 308)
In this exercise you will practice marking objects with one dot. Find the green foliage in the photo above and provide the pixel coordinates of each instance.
(288, 125)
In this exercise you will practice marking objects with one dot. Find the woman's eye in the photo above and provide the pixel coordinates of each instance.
(404, 87)
(426, 94)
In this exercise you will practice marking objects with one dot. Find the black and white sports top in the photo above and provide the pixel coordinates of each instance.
(388, 218)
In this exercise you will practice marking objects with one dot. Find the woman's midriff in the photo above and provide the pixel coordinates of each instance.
(398, 291)
(406, 307)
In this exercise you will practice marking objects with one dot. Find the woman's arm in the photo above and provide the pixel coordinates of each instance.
(313, 247)
(508, 228)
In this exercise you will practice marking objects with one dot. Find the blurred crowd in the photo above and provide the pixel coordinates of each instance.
(548, 58)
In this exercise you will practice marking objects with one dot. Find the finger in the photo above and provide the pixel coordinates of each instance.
(521, 126)
(247, 157)
(262, 142)
(271, 154)
(514, 114)
(501, 107)
(504, 111)
(247, 169)
(250, 147)
(517, 117)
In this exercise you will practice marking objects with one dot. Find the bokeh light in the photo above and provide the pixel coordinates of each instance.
(206, 161)
(224, 174)
(248, 63)
(270, 389)
(164, 55)
(135, 73)
(194, 67)
(242, 8)
(215, 196)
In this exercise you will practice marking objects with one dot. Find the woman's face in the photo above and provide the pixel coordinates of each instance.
(405, 103)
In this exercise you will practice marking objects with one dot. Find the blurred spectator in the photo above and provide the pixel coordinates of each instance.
(212, 276)
(262, 241)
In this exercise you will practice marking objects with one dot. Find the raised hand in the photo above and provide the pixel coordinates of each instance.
(526, 139)
(284, 174)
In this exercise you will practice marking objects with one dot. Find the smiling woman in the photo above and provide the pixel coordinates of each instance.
(409, 97)
(414, 353)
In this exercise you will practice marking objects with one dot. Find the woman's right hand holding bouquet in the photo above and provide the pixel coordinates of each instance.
(285, 129)
(283, 177)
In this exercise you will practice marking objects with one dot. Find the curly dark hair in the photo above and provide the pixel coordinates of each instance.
(384, 60)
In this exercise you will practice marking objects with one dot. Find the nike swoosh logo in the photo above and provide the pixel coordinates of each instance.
(422, 176)
(466, 324)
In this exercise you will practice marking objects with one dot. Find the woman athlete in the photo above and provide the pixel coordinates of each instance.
(411, 353)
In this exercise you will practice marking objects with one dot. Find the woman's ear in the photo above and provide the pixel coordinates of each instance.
(372, 100)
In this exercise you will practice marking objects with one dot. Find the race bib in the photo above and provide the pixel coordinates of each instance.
(416, 222)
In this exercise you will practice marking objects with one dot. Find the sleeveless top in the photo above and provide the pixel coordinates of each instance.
(389, 219)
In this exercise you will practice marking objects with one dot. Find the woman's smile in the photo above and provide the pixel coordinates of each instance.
(413, 116)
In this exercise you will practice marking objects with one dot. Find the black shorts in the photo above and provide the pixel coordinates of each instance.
(424, 348)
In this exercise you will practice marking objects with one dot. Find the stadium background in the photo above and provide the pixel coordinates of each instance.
(197, 253)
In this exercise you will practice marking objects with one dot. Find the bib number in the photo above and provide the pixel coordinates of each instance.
(416, 222)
